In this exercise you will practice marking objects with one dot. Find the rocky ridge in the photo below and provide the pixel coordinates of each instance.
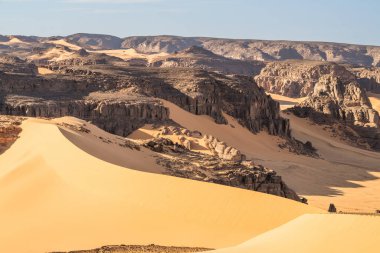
(297, 78)
(241, 49)
(198, 57)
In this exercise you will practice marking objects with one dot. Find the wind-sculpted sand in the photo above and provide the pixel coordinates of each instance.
(55, 196)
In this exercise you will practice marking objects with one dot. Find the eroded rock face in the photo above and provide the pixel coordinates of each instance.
(211, 168)
(222, 150)
(117, 117)
(368, 78)
(342, 100)
(298, 78)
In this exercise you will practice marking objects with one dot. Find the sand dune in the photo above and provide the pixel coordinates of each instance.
(53, 54)
(341, 176)
(65, 43)
(316, 233)
(55, 196)
(14, 41)
(127, 54)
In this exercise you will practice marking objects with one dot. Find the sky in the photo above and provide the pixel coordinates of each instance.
(346, 21)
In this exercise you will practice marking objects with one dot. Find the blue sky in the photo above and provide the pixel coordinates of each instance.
(311, 20)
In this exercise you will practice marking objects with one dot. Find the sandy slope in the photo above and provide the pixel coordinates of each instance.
(14, 41)
(375, 100)
(316, 233)
(53, 54)
(346, 176)
(62, 42)
(44, 71)
(55, 196)
(286, 102)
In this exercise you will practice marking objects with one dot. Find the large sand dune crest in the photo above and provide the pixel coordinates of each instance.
(317, 233)
(55, 196)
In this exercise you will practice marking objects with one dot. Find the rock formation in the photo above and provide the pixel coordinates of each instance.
(212, 168)
(198, 57)
(343, 100)
(368, 78)
(298, 78)
(16, 65)
(222, 150)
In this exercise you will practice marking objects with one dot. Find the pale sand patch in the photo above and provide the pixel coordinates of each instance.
(14, 41)
(55, 196)
(44, 71)
(375, 100)
(53, 54)
(286, 102)
(62, 42)
(127, 54)
(316, 233)
(347, 176)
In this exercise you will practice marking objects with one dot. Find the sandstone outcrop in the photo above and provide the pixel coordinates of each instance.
(211, 168)
(118, 117)
(368, 78)
(298, 78)
(341, 100)
(222, 150)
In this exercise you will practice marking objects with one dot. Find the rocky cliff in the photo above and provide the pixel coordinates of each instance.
(297, 78)
(342, 100)
(368, 78)
(197, 91)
